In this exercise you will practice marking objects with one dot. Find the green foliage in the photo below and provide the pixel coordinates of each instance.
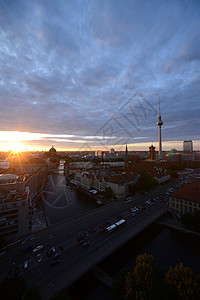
(139, 284)
(145, 183)
(182, 283)
(32, 294)
(118, 285)
(129, 286)
(12, 289)
(64, 295)
(191, 219)
(108, 192)
(145, 258)
(144, 277)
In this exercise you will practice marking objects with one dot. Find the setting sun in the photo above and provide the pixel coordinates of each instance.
(17, 147)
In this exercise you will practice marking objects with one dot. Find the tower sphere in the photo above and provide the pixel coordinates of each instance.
(160, 123)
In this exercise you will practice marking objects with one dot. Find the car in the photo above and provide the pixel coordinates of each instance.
(26, 264)
(101, 226)
(81, 242)
(53, 250)
(39, 258)
(55, 262)
(85, 244)
(38, 248)
(132, 210)
(134, 214)
(86, 233)
(58, 254)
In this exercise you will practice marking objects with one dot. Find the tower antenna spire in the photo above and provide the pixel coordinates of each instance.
(159, 105)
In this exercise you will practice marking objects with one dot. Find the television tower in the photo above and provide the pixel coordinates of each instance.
(160, 123)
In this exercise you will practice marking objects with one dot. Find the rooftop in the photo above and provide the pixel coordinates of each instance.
(190, 192)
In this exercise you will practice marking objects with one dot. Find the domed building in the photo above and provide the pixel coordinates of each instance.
(52, 151)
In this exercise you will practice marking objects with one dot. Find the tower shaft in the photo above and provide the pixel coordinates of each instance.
(160, 143)
(160, 123)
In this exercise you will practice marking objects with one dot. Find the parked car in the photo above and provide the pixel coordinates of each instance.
(26, 264)
(53, 250)
(38, 248)
(39, 258)
(85, 244)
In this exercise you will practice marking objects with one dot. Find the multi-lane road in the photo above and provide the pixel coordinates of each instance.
(75, 259)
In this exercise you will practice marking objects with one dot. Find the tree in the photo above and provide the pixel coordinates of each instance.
(191, 220)
(108, 192)
(140, 284)
(145, 182)
(118, 285)
(63, 295)
(182, 283)
(129, 286)
(12, 289)
(145, 258)
(32, 294)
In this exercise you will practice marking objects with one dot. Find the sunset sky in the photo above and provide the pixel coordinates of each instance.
(88, 74)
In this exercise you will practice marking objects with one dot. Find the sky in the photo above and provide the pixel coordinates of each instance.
(87, 74)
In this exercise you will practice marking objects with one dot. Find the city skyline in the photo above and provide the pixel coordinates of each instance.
(87, 75)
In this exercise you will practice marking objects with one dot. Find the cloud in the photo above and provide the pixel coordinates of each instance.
(68, 67)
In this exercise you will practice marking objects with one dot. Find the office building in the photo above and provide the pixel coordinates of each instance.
(188, 146)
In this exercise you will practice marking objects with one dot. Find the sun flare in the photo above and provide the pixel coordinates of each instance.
(17, 147)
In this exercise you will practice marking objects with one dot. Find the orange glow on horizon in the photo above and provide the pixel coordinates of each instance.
(17, 147)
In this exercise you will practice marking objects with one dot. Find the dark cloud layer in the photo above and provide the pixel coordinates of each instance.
(67, 67)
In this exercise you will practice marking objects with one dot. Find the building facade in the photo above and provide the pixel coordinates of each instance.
(15, 214)
(186, 199)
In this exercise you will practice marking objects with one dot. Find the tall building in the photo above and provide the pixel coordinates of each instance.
(112, 151)
(160, 123)
(126, 157)
(152, 152)
(188, 146)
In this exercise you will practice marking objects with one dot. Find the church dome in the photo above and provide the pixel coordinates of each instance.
(52, 150)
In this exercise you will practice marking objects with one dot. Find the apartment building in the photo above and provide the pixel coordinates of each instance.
(186, 199)
(15, 214)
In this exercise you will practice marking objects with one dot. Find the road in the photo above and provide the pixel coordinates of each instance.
(76, 259)
(63, 236)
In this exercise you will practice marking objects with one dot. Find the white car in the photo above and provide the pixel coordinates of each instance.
(39, 258)
(26, 264)
(38, 248)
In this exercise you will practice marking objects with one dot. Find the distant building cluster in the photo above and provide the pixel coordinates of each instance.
(18, 189)
(102, 176)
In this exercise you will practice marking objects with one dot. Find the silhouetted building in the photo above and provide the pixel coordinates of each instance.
(152, 153)
(188, 146)
(52, 151)
(126, 157)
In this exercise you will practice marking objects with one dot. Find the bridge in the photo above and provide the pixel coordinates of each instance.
(87, 258)
(77, 260)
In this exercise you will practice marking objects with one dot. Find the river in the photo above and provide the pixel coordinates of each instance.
(168, 247)
(61, 201)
